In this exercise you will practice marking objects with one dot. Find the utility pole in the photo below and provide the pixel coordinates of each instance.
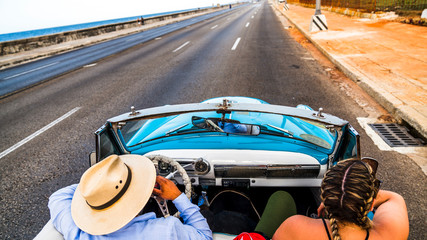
(285, 6)
(318, 20)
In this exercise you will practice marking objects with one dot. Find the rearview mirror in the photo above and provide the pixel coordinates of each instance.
(215, 124)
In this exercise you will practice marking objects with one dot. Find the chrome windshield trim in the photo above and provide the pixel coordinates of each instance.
(269, 166)
(169, 110)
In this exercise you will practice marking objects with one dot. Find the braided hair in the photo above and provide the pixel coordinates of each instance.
(348, 191)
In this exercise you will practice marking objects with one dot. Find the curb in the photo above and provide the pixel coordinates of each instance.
(386, 100)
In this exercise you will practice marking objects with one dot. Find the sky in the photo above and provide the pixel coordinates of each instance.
(23, 15)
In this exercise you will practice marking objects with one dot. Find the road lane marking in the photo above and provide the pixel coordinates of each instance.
(214, 27)
(32, 70)
(235, 44)
(183, 45)
(247, 24)
(90, 65)
(132, 39)
(252, 17)
(32, 136)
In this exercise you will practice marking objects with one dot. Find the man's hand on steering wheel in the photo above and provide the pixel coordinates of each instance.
(168, 190)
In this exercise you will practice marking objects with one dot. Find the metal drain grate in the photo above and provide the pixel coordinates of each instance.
(396, 135)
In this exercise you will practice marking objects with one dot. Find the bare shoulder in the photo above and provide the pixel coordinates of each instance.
(391, 218)
(298, 227)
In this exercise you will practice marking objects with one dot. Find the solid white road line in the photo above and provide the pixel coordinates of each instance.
(32, 70)
(214, 27)
(44, 129)
(247, 24)
(183, 45)
(235, 44)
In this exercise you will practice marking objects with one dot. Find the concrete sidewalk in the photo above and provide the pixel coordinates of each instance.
(387, 59)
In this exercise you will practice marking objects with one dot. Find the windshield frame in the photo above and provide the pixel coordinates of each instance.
(265, 129)
(331, 121)
(169, 110)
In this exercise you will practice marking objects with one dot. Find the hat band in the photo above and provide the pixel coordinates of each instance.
(118, 196)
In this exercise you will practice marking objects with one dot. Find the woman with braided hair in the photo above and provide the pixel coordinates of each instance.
(350, 191)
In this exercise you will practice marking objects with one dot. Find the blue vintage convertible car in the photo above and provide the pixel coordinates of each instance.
(234, 145)
(232, 141)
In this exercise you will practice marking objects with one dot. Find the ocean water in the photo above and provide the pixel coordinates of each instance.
(46, 31)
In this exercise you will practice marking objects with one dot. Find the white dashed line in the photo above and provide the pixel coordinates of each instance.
(131, 39)
(235, 44)
(183, 45)
(35, 69)
(90, 65)
(247, 24)
(214, 27)
(32, 136)
(252, 17)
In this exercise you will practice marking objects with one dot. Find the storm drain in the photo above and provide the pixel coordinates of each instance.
(396, 135)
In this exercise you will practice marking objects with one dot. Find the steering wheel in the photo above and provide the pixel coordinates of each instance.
(185, 179)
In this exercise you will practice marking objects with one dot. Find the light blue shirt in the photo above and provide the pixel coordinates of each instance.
(145, 226)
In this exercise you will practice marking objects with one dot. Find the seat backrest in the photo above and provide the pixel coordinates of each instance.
(49, 232)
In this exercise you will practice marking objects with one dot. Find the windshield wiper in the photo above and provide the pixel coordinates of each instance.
(282, 130)
(183, 132)
(175, 129)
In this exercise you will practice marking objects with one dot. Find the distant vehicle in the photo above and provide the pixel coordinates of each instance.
(234, 144)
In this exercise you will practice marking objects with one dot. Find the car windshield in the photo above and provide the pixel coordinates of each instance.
(141, 131)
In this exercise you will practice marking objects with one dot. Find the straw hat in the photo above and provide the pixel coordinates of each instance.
(112, 192)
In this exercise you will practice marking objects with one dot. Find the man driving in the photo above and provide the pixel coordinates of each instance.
(106, 202)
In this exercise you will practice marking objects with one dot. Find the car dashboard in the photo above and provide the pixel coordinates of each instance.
(244, 168)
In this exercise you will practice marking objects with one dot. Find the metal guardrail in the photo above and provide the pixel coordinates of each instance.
(369, 5)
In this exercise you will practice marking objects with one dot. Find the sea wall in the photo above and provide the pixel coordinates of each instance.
(16, 46)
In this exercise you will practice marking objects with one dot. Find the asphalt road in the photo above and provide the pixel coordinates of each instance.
(23, 76)
(246, 52)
